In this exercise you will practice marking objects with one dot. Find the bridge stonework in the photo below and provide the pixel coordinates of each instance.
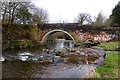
(76, 31)
(74, 35)
(77, 35)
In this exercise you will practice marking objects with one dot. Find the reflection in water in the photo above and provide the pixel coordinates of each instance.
(19, 69)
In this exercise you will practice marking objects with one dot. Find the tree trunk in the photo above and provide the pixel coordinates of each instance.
(4, 13)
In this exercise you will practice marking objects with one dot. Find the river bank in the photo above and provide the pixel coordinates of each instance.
(17, 44)
(110, 69)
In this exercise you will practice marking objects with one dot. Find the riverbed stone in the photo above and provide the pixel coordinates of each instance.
(78, 52)
(72, 50)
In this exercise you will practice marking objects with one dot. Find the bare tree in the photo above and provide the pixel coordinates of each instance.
(83, 18)
(4, 11)
(40, 16)
(9, 10)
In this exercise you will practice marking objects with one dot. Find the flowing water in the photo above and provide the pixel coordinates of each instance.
(24, 63)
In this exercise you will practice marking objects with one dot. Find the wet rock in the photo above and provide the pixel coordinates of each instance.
(57, 59)
(72, 50)
(23, 58)
(67, 49)
(92, 59)
(45, 50)
(90, 55)
(104, 56)
(40, 59)
(82, 54)
(24, 54)
(77, 52)
(100, 61)
(95, 55)
(60, 53)
(77, 45)
(35, 58)
(89, 43)
(83, 60)
(55, 51)
(100, 51)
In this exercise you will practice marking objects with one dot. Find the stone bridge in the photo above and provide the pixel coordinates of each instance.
(46, 34)
(75, 32)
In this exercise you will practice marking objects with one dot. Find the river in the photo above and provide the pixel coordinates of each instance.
(26, 63)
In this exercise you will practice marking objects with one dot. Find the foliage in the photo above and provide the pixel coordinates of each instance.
(20, 44)
(23, 14)
(110, 67)
(83, 18)
(109, 45)
(9, 11)
(34, 29)
(116, 15)
(108, 22)
(18, 32)
(17, 12)
(99, 20)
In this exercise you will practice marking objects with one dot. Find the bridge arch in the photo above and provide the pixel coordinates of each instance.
(45, 37)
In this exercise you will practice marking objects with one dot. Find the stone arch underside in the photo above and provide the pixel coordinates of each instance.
(45, 37)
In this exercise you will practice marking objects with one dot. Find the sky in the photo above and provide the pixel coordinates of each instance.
(68, 10)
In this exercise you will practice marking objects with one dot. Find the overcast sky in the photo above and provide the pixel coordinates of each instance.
(67, 10)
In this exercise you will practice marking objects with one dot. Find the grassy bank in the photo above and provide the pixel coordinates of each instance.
(110, 67)
(109, 45)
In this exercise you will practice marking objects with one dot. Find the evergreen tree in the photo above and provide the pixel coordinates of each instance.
(24, 15)
(116, 15)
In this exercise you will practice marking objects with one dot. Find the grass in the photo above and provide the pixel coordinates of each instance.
(109, 45)
(110, 67)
